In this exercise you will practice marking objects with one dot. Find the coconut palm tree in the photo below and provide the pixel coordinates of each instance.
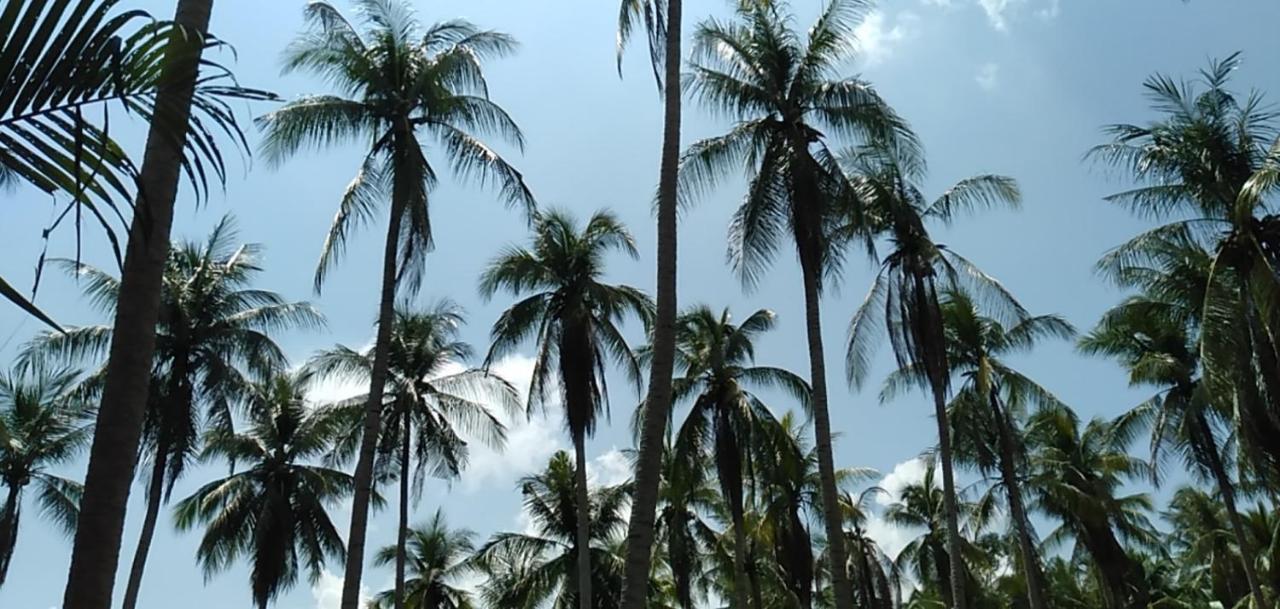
(660, 18)
(430, 407)
(904, 299)
(398, 84)
(214, 332)
(1076, 477)
(177, 141)
(686, 498)
(983, 424)
(540, 567)
(439, 557)
(871, 570)
(1155, 337)
(1211, 164)
(715, 360)
(275, 512)
(1208, 554)
(572, 317)
(43, 424)
(783, 89)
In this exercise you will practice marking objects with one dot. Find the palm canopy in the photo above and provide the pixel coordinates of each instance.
(395, 81)
(537, 568)
(63, 63)
(274, 512)
(566, 308)
(920, 506)
(429, 390)
(439, 559)
(977, 348)
(1210, 166)
(214, 337)
(44, 423)
(783, 90)
(904, 297)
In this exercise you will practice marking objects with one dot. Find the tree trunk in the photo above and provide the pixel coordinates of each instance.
(9, 528)
(583, 538)
(377, 380)
(949, 499)
(822, 437)
(96, 553)
(640, 528)
(155, 495)
(728, 459)
(1036, 588)
(1227, 490)
(402, 532)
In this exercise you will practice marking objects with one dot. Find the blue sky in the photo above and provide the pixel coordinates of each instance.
(1019, 87)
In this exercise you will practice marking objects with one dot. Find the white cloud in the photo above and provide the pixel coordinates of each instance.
(1051, 11)
(942, 3)
(612, 467)
(877, 39)
(988, 76)
(999, 11)
(530, 441)
(904, 474)
(327, 591)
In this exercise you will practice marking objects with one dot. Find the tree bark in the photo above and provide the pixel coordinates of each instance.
(377, 380)
(1036, 587)
(822, 436)
(113, 456)
(949, 499)
(583, 536)
(9, 528)
(657, 408)
(402, 532)
(1227, 490)
(155, 496)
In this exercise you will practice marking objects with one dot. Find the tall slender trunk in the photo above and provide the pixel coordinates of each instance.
(949, 498)
(402, 532)
(1228, 492)
(1036, 587)
(640, 528)
(96, 553)
(155, 496)
(9, 528)
(377, 380)
(583, 534)
(822, 437)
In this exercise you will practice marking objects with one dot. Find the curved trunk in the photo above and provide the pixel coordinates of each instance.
(583, 533)
(402, 532)
(1227, 490)
(9, 528)
(113, 456)
(155, 496)
(1036, 588)
(377, 381)
(640, 528)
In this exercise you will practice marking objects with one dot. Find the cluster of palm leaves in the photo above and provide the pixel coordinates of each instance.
(1021, 503)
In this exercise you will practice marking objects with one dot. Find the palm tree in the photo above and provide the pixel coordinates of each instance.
(439, 557)
(685, 498)
(429, 407)
(1076, 476)
(275, 512)
(715, 359)
(663, 26)
(1207, 548)
(872, 572)
(49, 141)
(783, 90)
(904, 298)
(1212, 163)
(43, 424)
(539, 567)
(214, 331)
(573, 319)
(401, 82)
(176, 143)
(1154, 336)
(984, 428)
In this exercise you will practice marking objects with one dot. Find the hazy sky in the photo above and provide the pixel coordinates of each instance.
(1020, 87)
